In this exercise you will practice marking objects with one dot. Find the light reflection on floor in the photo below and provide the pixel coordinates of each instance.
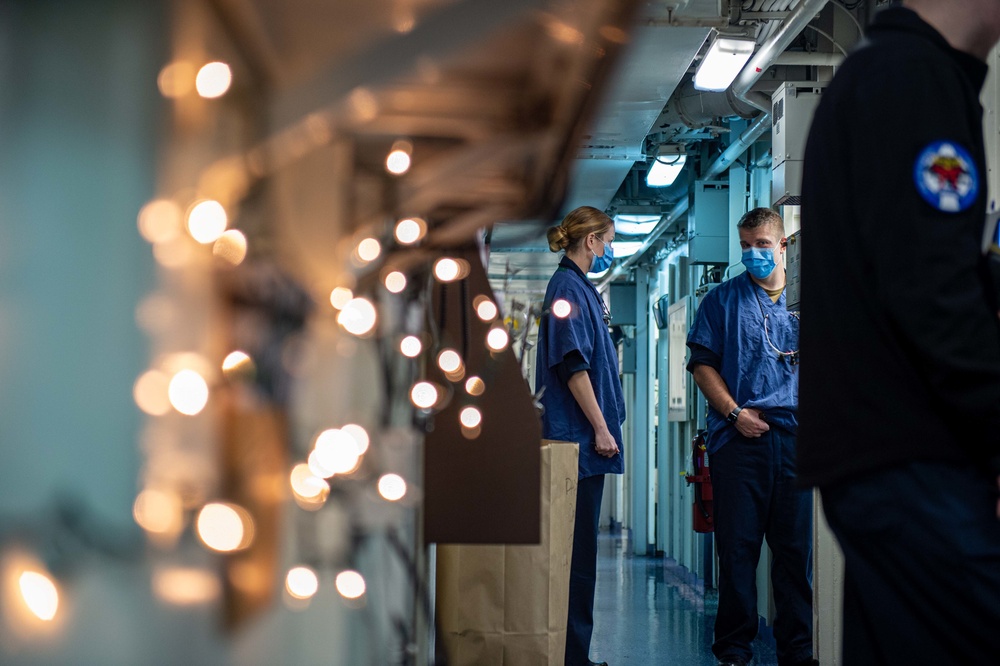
(645, 614)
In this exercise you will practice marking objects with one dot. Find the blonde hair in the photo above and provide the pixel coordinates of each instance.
(577, 225)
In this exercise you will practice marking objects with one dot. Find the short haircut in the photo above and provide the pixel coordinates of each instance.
(761, 217)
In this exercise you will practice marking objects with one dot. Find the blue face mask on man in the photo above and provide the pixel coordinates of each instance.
(598, 264)
(759, 261)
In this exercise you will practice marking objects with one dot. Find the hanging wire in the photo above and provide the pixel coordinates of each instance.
(851, 16)
(830, 38)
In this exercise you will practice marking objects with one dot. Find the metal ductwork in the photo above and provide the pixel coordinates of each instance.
(769, 51)
(765, 56)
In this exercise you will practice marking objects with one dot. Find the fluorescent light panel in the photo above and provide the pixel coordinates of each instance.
(625, 249)
(724, 60)
(666, 167)
(635, 225)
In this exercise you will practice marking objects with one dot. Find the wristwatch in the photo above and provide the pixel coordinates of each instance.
(733, 415)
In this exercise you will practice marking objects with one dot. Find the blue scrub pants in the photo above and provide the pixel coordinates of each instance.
(921, 547)
(583, 570)
(755, 493)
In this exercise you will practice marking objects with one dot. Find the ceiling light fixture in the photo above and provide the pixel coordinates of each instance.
(635, 225)
(667, 164)
(724, 60)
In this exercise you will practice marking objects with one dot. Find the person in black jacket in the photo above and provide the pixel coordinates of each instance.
(899, 402)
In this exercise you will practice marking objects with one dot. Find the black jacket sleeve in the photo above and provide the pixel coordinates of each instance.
(928, 273)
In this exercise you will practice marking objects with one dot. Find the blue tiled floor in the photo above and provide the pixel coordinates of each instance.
(645, 614)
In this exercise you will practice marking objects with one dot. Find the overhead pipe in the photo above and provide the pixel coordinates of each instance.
(768, 53)
(679, 209)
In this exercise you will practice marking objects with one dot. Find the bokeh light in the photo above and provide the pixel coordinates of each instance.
(369, 249)
(350, 584)
(561, 308)
(207, 221)
(497, 339)
(231, 247)
(392, 487)
(340, 297)
(213, 80)
(357, 316)
(470, 417)
(395, 282)
(224, 527)
(424, 395)
(301, 582)
(160, 221)
(410, 346)
(188, 392)
(40, 594)
(410, 230)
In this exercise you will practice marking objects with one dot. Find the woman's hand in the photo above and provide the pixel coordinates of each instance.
(605, 444)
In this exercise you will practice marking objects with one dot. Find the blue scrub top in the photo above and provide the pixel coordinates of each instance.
(730, 322)
(585, 331)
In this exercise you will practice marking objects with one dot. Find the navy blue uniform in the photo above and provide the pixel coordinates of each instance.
(574, 337)
(900, 385)
(753, 479)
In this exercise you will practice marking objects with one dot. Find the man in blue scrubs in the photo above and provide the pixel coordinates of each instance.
(744, 358)
(577, 367)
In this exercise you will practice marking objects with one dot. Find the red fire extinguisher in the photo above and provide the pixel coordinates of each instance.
(704, 519)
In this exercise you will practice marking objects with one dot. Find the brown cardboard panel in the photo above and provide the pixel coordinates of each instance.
(482, 490)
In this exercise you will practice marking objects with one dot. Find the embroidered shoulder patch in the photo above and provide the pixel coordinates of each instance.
(946, 176)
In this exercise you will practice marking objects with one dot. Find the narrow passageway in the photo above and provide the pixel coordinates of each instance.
(645, 612)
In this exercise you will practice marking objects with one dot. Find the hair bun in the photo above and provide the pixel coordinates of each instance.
(558, 239)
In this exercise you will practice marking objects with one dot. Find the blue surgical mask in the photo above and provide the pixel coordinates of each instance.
(599, 264)
(759, 261)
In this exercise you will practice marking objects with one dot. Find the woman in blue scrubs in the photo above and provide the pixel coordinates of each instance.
(577, 366)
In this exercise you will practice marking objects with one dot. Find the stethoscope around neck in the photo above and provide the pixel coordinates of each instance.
(791, 356)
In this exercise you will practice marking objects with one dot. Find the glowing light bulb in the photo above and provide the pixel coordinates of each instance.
(350, 584)
(307, 485)
(561, 308)
(159, 512)
(213, 80)
(40, 594)
(475, 386)
(224, 527)
(392, 487)
(301, 582)
(470, 417)
(446, 269)
(185, 586)
(424, 395)
(410, 346)
(340, 297)
(369, 249)
(410, 230)
(395, 282)
(398, 160)
(237, 360)
(487, 310)
(337, 452)
(357, 316)
(207, 221)
(360, 436)
(188, 392)
(176, 79)
(231, 247)
(497, 339)
(150, 392)
(449, 360)
(160, 221)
